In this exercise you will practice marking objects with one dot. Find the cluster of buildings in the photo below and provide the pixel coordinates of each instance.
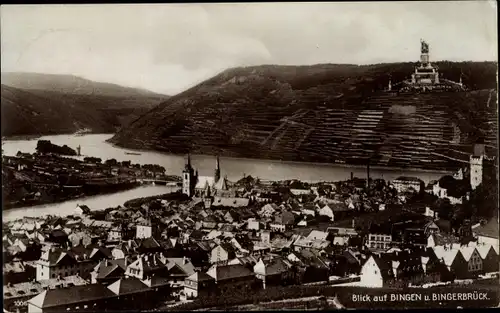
(32, 179)
(261, 235)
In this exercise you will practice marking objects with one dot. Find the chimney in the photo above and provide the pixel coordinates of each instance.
(184, 260)
(126, 261)
(52, 249)
(106, 262)
(352, 223)
(352, 175)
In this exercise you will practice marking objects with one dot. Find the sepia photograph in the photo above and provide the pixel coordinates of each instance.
(250, 156)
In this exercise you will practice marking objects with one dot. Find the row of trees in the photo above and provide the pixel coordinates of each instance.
(113, 162)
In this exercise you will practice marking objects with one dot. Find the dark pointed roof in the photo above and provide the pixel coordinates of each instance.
(128, 285)
(199, 277)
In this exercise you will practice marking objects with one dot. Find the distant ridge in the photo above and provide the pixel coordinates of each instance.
(42, 104)
(70, 84)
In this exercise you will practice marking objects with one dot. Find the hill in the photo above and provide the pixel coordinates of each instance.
(324, 113)
(37, 111)
(69, 84)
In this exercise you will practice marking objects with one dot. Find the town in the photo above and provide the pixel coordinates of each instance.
(47, 176)
(220, 243)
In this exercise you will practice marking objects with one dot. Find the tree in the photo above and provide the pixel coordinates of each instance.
(444, 208)
(111, 162)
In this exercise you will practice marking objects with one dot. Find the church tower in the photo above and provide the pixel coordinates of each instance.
(189, 178)
(217, 171)
(476, 166)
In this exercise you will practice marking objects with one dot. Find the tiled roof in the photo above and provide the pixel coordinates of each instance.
(109, 268)
(317, 235)
(148, 263)
(200, 276)
(149, 243)
(183, 263)
(66, 296)
(225, 272)
(13, 267)
(230, 202)
(272, 267)
(34, 288)
(490, 229)
(442, 239)
(128, 285)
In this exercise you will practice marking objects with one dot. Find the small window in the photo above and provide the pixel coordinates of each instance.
(33, 290)
(21, 292)
(8, 294)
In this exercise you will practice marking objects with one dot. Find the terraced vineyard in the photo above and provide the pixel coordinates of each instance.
(262, 113)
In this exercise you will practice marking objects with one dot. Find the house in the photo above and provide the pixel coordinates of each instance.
(178, 269)
(268, 210)
(403, 184)
(312, 267)
(16, 296)
(450, 188)
(61, 263)
(430, 213)
(80, 238)
(222, 252)
(229, 278)
(379, 241)
(300, 191)
(146, 266)
(17, 271)
(271, 271)
(108, 271)
(130, 293)
(440, 239)
(488, 233)
(376, 272)
(146, 229)
(319, 235)
(124, 249)
(253, 224)
(199, 284)
(119, 233)
(232, 202)
(82, 209)
(326, 211)
(489, 256)
(461, 262)
(231, 216)
(282, 222)
(149, 245)
(86, 297)
(430, 228)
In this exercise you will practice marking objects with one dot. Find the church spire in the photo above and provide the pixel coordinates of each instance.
(217, 170)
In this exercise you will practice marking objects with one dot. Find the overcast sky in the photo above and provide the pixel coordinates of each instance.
(169, 47)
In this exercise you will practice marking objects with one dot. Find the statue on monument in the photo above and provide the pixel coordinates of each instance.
(424, 46)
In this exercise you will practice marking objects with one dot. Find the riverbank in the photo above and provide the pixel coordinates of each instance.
(98, 202)
(91, 193)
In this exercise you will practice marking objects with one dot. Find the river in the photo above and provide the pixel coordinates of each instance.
(234, 168)
(94, 203)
